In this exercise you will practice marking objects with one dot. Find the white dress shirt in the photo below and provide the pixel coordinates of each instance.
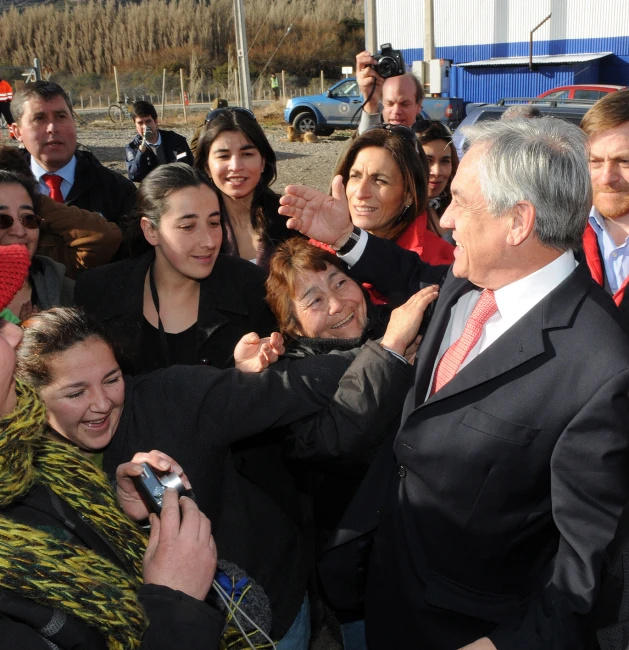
(615, 258)
(66, 173)
(513, 301)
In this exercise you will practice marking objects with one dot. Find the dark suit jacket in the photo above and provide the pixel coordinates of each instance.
(231, 304)
(99, 189)
(139, 164)
(510, 480)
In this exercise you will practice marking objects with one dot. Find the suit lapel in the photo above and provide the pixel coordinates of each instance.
(519, 344)
(450, 292)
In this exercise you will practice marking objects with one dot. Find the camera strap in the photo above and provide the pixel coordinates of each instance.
(160, 327)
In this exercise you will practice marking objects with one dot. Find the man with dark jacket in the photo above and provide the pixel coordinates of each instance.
(45, 126)
(606, 239)
(153, 146)
(509, 471)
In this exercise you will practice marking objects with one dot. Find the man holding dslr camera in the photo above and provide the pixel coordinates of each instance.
(153, 146)
(396, 99)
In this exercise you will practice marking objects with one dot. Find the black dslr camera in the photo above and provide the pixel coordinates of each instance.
(152, 487)
(390, 62)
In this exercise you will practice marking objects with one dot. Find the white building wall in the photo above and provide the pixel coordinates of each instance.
(480, 22)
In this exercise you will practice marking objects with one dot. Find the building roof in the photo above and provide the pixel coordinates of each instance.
(552, 59)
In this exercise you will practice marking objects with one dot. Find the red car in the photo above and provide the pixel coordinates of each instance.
(581, 91)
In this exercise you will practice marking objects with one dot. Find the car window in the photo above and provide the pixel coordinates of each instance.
(588, 94)
(348, 88)
(560, 94)
(572, 118)
(487, 115)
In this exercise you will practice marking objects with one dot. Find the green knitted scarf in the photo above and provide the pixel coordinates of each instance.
(49, 570)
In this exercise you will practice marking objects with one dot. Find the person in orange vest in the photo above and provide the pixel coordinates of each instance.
(606, 238)
(6, 95)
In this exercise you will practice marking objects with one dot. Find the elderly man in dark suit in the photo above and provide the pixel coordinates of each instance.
(512, 457)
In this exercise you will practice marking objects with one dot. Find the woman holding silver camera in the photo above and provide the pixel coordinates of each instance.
(197, 414)
(75, 571)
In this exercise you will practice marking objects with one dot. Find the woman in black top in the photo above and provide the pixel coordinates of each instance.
(236, 154)
(177, 301)
(195, 414)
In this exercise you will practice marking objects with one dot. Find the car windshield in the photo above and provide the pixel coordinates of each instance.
(346, 89)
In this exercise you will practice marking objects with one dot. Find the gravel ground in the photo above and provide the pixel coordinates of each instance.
(298, 162)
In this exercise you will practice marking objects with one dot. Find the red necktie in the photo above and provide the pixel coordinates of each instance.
(53, 182)
(456, 354)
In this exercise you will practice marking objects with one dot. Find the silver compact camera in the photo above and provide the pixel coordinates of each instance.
(148, 131)
(152, 487)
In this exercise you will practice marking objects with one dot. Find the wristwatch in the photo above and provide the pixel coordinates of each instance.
(354, 238)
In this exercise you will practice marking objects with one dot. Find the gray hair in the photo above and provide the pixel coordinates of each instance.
(544, 161)
(521, 110)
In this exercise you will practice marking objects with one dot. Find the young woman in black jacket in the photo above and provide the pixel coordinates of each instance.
(196, 414)
(178, 300)
(75, 571)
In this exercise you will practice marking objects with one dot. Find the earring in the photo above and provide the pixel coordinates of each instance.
(401, 215)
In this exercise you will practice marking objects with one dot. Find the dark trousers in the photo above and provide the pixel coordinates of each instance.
(277, 93)
(5, 109)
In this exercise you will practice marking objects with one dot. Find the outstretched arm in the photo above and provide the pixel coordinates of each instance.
(318, 215)
(368, 399)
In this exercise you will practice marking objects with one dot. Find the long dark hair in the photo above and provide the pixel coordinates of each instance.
(152, 200)
(412, 165)
(438, 131)
(229, 120)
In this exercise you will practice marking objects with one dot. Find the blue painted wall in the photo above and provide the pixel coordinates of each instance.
(488, 84)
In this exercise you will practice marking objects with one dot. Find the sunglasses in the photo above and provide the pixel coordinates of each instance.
(422, 125)
(408, 135)
(212, 115)
(30, 221)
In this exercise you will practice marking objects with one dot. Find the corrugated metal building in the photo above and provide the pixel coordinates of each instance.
(487, 35)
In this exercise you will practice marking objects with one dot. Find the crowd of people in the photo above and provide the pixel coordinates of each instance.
(402, 406)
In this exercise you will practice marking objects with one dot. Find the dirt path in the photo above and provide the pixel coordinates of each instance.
(298, 162)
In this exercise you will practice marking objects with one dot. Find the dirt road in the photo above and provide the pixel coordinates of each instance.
(298, 162)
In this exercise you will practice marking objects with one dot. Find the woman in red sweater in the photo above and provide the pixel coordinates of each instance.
(385, 174)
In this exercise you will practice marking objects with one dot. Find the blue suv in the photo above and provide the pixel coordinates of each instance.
(321, 114)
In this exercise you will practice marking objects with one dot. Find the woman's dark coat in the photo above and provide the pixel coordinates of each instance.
(196, 414)
(175, 619)
(231, 304)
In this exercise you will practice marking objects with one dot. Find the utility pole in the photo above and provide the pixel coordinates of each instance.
(429, 39)
(241, 54)
(371, 31)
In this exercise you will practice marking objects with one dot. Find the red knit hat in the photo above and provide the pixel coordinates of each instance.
(14, 263)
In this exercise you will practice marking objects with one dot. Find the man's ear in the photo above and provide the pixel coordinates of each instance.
(149, 230)
(522, 223)
(16, 130)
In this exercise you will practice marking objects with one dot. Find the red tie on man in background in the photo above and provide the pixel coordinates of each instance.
(455, 355)
(53, 182)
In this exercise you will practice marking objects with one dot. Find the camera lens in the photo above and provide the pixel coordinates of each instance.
(386, 67)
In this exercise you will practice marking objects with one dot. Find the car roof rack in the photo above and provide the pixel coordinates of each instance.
(546, 101)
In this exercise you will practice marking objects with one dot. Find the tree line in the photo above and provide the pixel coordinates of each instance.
(92, 37)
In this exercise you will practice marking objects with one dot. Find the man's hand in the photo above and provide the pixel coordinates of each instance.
(318, 215)
(253, 354)
(401, 335)
(127, 493)
(181, 553)
(366, 77)
(481, 644)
